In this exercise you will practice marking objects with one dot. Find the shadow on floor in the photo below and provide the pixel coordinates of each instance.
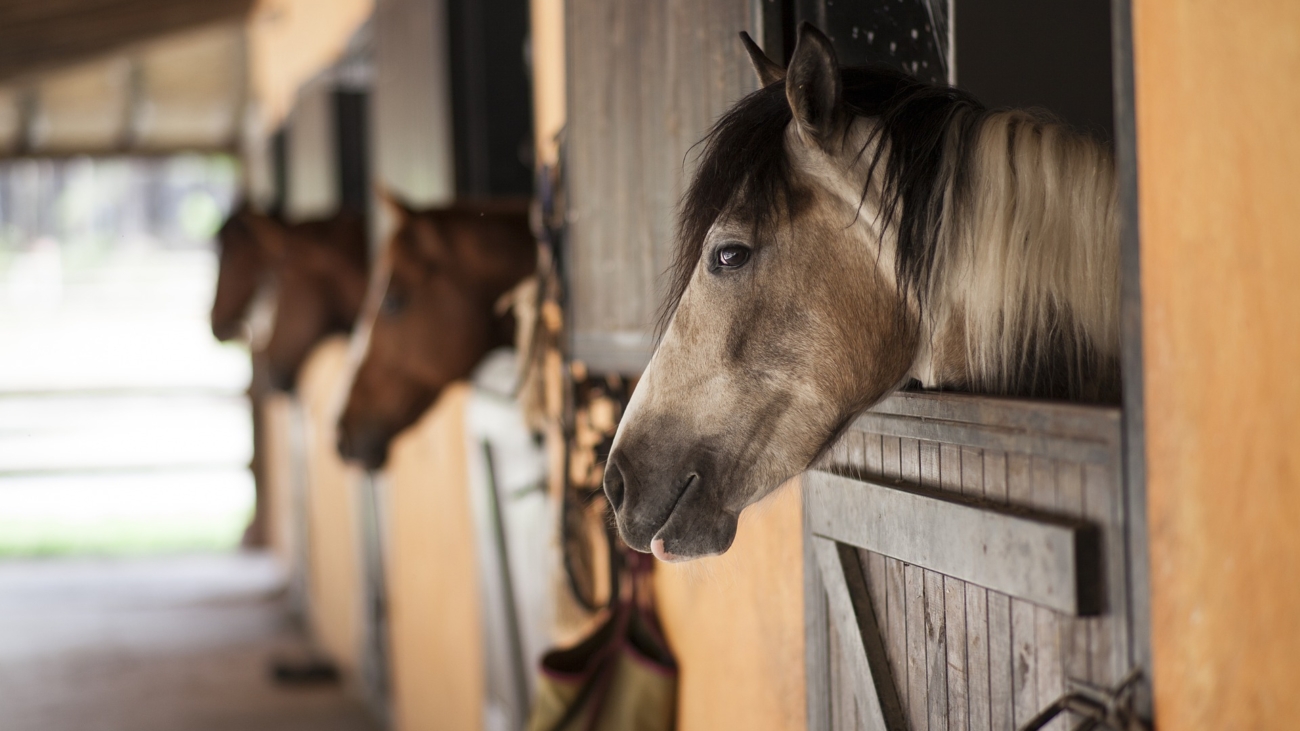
(155, 644)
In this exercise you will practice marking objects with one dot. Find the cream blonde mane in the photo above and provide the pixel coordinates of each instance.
(1026, 265)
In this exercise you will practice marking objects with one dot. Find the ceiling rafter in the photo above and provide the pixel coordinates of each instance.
(39, 35)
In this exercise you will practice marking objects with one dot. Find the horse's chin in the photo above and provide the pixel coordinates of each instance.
(695, 528)
(677, 513)
(695, 536)
(368, 447)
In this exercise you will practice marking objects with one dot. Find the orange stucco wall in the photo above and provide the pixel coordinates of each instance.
(1218, 109)
(735, 622)
(282, 522)
(435, 630)
(334, 581)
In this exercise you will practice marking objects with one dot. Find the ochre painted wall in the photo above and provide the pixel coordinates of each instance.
(546, 34)
(1218, 112)
(435, 631)
(290, 41)
(281, 519)
(735, 622)
(334, 581)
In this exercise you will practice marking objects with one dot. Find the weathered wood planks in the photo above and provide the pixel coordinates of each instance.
(1033, 557)
(964, 655)
(645, 82)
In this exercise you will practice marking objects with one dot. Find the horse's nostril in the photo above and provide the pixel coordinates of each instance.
(614, 488)
(367, 445)
(281, 380)
(225, 331)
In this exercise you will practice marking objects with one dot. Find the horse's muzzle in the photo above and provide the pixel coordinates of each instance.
(367, 446)
(281, 379)
(675, 512)
(227, 330)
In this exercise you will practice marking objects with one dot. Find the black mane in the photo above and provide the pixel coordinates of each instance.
(744, 169)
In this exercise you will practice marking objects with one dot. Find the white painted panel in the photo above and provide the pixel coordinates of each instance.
(313, 155)
(412, 122)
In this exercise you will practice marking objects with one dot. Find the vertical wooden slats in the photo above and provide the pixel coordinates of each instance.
(1024, 660)
(856, 631)
(645, 82)
(1002, 696)
(954, 601)
(841, 685)
(1074, 635)
(855, 449)
(1107, 660)
(977, 613)
(877, 569)
(917, 681)
(936, 640)
(896, 646)
(936, 651)
(909, 460)
(892, 462)
(963, 656)
(1050, 683)
(1001, 687)
(878, 586)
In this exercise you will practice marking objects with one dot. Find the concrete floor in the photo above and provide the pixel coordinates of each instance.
(154, 644)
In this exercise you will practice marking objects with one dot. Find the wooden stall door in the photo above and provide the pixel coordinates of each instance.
(966, 564)
(336, 580)
(645, 82)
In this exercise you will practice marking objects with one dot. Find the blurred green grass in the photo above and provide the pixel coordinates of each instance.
(120, 536)
(123, 513)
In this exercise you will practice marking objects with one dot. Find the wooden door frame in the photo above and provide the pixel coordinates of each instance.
(1135, 492)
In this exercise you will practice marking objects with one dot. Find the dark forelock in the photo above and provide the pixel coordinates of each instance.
(744, 169)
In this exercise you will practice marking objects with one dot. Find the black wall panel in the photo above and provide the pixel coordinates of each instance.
(491, 99)
(1050, 54)
(1034, 53)
(908, 34)
(350, 114)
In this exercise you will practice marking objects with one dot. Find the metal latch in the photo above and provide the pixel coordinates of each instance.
(1105, 708)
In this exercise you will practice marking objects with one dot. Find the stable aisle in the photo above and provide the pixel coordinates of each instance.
(154, 644)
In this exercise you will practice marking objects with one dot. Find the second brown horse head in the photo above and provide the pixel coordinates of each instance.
(433, 315)
(241, 268)
(321, 269)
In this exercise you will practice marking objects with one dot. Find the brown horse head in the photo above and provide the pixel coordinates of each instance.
(241, 269)
(848, 229)
(321, 269)
(432, 314)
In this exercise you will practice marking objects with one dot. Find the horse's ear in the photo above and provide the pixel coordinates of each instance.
(813, 88)
(400, 209)
(432, 238)
(769, 71)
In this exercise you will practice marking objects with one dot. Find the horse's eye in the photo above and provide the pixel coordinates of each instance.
(732, 256)
(393, 303)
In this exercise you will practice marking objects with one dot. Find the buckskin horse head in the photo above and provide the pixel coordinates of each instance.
(320, 268)
(848, 230)
(432, 314)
